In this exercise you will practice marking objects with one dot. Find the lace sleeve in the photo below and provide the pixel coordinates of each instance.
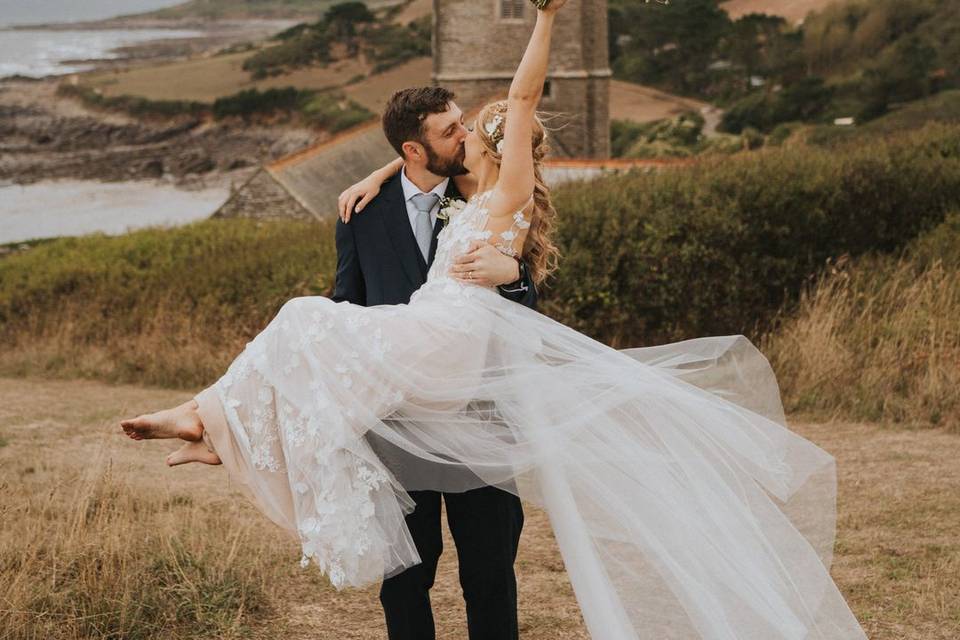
(508, 233)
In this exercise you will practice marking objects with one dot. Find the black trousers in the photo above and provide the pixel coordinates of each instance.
(485, 524)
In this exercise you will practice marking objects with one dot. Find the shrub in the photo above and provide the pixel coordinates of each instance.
(134, 105)
(719, 247)
(390, 44)
(676, 137)
(623, 134)
(253, 101)
(88, 306)
(334, 112)
(804, 100)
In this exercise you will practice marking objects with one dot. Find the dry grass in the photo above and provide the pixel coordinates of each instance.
(100, 540)
(877, 341)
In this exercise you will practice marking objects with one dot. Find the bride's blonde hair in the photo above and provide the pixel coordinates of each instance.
(539, 252)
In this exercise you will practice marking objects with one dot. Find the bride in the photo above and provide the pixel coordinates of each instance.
(682, 504)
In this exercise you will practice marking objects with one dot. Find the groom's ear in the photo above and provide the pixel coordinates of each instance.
(413, 152)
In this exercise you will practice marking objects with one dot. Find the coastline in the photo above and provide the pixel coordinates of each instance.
(67, 168)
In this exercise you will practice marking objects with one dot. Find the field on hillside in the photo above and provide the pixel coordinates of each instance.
(792, 10)
(101, 540)
(207, 78)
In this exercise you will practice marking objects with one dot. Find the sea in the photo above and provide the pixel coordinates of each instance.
(75, 207)
(78, 207)
(39, 52)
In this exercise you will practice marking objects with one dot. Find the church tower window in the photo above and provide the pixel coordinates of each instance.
(512, 9)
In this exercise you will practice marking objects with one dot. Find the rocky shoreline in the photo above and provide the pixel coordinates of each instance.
(44, 136)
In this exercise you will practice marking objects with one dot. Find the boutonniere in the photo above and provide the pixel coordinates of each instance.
(449, 207)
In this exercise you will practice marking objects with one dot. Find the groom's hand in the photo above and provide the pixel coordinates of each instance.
(484, 265)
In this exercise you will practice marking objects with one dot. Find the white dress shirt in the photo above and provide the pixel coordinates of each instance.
(410, 190)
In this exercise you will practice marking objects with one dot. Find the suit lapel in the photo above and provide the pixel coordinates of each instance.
(397, 225)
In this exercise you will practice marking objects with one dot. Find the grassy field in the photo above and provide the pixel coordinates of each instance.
(101, 540)
(206, 79)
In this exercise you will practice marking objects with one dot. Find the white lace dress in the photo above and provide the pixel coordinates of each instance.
(683, 506)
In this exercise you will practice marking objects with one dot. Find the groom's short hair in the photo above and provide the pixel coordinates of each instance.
(407, 109)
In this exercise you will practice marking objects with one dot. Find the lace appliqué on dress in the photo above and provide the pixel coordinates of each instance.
(334, 491)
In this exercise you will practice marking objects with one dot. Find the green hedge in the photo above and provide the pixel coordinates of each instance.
(134, 105)
(718, 248)
(168, 307)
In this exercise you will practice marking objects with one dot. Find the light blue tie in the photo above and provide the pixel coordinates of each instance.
(422, 227)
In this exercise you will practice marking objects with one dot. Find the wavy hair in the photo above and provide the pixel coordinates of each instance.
(539, 252)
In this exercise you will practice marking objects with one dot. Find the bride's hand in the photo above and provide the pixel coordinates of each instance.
(552, 7)
(485, 265)
(364, 191)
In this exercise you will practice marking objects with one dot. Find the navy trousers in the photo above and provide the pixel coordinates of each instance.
(485, 524)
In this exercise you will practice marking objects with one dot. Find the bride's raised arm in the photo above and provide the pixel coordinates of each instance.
(516, 180)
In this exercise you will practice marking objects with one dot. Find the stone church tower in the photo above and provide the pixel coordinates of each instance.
(477, 45)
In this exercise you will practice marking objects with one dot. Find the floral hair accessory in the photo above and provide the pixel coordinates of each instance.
(494, 129)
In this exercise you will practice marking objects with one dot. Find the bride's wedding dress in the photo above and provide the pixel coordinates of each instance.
(683, 506)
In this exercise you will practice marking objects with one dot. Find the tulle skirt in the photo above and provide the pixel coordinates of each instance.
(683, 506)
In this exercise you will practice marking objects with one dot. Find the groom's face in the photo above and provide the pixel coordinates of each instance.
(444, 134)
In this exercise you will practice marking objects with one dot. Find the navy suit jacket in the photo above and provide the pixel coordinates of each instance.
(379, 262)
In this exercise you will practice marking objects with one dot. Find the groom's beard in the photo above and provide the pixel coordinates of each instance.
(446, 167)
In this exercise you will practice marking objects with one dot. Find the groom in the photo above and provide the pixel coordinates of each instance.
(383, 256)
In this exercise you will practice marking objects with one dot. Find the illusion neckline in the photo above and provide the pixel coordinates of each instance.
(478, 194)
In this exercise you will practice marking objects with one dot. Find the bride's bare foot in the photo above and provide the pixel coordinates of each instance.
(180, 422)
(192, 452)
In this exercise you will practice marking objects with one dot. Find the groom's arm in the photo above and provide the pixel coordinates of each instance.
(523, 290)
(349, 285)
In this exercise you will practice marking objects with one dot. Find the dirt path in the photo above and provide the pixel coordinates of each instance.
(897, 560)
